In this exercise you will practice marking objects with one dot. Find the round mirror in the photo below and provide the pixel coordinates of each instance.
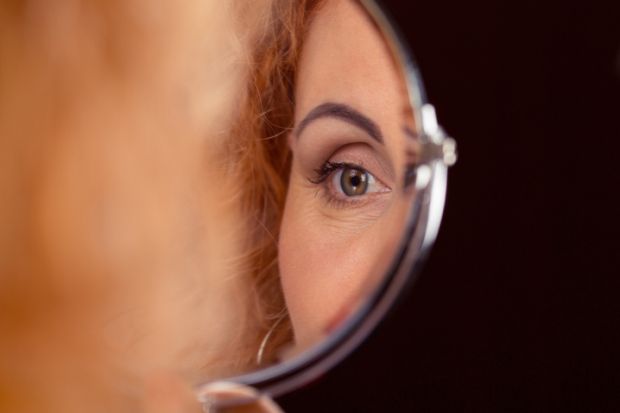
(356, 178)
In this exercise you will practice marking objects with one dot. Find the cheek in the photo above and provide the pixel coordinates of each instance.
(322, 268)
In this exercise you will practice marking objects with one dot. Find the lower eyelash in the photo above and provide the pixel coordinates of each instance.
(337, 202)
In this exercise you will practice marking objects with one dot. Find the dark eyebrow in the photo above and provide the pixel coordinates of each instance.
(342, 112)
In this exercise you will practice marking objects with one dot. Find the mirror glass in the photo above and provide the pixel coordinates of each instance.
(345, 204)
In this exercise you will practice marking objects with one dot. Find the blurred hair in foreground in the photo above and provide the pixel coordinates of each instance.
(120, 243)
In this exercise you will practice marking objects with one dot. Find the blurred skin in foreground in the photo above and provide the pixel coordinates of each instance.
(118, 249)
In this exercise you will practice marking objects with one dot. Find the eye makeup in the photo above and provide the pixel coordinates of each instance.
(355, 177)
(345, 161)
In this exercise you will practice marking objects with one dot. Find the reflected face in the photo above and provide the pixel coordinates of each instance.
(343, 214)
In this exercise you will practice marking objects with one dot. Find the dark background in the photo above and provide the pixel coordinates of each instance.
(517, 307)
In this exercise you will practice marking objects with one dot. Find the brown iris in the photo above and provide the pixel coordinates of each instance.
(353, 181)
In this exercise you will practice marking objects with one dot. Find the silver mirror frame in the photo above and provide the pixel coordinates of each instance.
(420, 231)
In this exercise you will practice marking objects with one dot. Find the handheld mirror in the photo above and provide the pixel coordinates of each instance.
(364, 166)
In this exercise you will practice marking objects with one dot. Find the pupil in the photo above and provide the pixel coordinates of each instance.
(355, 180)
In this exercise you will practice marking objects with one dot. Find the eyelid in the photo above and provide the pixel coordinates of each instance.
(363, 156)
(330, 137)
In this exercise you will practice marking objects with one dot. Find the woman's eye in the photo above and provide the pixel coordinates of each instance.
(344, 182)
(354, 181)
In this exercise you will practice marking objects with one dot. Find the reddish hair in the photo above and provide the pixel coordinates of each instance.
(260, 145)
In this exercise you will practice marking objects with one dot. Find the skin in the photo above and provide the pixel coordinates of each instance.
(334, 247)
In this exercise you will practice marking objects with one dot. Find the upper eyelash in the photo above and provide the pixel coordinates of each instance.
(328, 167)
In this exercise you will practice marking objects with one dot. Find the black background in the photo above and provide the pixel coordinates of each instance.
(517, 307)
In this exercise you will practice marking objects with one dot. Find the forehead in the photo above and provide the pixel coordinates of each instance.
(345, 60)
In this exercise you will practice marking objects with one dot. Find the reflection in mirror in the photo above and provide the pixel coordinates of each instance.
(345, 207)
